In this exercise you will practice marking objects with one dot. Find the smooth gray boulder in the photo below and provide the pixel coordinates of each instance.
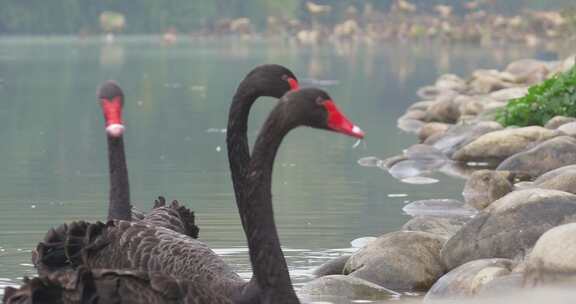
(505, 95)
(402, 261)
(563, 179)
(340, 287)
(334, 266)
(486, 186)
(431, 129)
(459, 135)
(529, 71)
(499, 145)
(446, 111)
(502, 285)
(558, 121)
(441, 226)
(510, 226)
(466, 280)
(568, 129)
(553, 258)
(545, 156)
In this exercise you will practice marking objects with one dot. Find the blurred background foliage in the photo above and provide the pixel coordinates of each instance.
(153, 16)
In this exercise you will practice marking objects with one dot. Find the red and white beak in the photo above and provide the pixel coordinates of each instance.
(339, 123)
(112, 109)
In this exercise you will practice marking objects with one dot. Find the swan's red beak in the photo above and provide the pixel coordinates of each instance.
(112, 109)
(339, 123)
(293, 84)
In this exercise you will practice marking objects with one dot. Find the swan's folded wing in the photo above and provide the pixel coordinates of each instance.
(174, 216)
(135, 246)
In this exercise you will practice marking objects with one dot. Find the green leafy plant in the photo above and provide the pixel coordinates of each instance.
(555, 96)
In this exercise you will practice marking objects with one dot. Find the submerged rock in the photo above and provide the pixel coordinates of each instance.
(545, 156)
(341, 287)
(414, 167)
(498, 145)
(334, 266)
(409, 125)
(439, 208)
(553, 258)
(510, 226)
(442, 226)
(466, 280)
(485, 186)
(402, 260)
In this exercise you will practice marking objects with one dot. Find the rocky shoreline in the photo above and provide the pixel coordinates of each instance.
(516, 229)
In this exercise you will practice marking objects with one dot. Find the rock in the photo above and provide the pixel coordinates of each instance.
(425, 152)
(502, 285)
(470, 108)
(334, 266)
(497, 146)
(409, 125)
(443, 111)
(568, 129)
(563, 179)
(391, 161)
(415, 114)
(439, 208)
(486, 81)
(402, 260)
(553, 257)
(557, 121)
(428, 92)
(432, 128)
(340, 287)
(466, 280)
(460, 135)
(505, 95)
(510, 226)
(441, 226)
(451, 82)
(530, 71)
(548, 155)
(485, 186)
(421, 105)
(414, 167)
(564, 66)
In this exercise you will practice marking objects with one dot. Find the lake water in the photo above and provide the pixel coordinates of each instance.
(53, 152)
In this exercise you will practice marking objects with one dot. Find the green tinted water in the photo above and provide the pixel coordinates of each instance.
(53, 150)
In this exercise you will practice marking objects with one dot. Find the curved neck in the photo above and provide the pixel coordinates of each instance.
(237, 139)
(119, 204)
(268, 263)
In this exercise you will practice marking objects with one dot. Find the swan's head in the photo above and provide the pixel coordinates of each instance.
(112, 100)
(270, 80)
(315, 108)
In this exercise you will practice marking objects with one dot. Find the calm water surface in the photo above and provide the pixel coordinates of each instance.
(53, 152)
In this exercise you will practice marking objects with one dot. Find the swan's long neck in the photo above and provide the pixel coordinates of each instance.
(268, 263)
(119, 205)
(237, 140)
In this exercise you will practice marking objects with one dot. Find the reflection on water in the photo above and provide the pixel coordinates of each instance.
(53, 156)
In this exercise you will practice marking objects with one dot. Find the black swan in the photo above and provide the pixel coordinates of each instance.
(142, 247)
(172, 216)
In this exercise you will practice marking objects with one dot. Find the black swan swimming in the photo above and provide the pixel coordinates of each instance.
(141, 247)
(172, 216)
